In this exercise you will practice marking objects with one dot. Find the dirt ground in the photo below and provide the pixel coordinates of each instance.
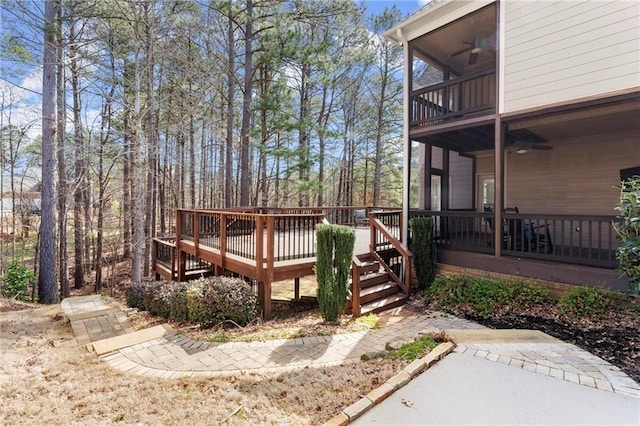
(46, 379)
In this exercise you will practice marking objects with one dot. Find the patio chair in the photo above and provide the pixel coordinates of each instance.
(360, 217)
(505, 237)
(523, 235)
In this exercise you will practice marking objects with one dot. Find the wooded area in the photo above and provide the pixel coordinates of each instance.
(149, 106)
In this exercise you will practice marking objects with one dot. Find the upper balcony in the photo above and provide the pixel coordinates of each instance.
(456, 99)
(453, 75)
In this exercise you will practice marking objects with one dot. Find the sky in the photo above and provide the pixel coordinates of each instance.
(375, 7)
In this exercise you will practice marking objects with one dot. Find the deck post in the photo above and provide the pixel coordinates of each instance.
(259, 246)
(296, 288)
(267, 277)
(223, 240)
(196, 231)
(180, 258)
(154, 256)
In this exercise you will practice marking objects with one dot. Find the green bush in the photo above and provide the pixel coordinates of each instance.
(590, 302)
(15, 282)
(229, 299)
(203, 301)
(333, 261)
(178, 307)
(159, 302)
(484, 296)
(423, 247)
(135, 295)
(628, 229)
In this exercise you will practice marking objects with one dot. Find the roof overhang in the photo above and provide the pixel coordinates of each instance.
(432, 16)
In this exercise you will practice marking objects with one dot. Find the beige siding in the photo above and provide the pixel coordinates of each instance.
(559, 51)
(578, 176)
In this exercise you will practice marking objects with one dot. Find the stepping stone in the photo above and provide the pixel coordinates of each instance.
(499, 336)
(92, 314)
(113, 344)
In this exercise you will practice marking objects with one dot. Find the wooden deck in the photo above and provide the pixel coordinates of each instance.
(263, 247)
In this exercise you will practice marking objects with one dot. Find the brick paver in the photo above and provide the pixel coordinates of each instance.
(177, 356)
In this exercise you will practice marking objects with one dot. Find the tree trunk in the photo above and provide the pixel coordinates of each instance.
(127, 212)
(245, 174)
(149, 216)
(228, 182)
(47, 288)
(78, 223)
(62, 168)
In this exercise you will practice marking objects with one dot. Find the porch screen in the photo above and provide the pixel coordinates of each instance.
(460, 182)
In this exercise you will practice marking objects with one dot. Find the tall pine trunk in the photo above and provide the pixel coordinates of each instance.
(47, 286)
(62, 168)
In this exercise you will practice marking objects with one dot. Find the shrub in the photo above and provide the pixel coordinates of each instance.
(203, 301)
(423, 247)
(159, 298)
(333, 261)
(198, 311)
(485, 296)
(17, 279)
(135, 294)
(230, 299)
(628, 229)
(590, 302)
(178, 307)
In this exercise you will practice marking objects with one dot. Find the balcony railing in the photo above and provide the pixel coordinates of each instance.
(576, 239)
(454, 99)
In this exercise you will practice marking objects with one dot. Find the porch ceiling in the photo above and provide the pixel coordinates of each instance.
(465, 137)
(604, 119)
(442, 46)
(477, 138)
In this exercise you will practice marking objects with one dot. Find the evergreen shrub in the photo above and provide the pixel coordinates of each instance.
(484, 296)
(15, 282)
(628, 229)
(333, 262)
(423, 248)
(204, 301)
(594, 303)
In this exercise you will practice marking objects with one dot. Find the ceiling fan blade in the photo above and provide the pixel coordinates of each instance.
(473, 58)
(460, 52)
(541, 147)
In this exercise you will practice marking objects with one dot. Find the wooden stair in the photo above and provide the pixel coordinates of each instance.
(378, 291)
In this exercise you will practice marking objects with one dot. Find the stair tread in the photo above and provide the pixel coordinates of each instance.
(381, 305)
(378, 287)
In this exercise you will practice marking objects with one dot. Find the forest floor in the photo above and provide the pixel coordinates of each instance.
(45, 378)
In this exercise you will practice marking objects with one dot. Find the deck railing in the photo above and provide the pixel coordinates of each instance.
(258, 240)
(577, 239)
(165, 255)
(453, 99)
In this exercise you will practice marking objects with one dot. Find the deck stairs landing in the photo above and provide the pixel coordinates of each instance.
(378, 291)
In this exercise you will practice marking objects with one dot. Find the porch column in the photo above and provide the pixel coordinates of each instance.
(498, 201)
(500, 132)
(406, 115)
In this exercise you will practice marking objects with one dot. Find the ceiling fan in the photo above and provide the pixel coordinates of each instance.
(475, 47)
(523, 141)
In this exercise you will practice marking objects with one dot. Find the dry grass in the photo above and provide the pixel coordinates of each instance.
(46, 379)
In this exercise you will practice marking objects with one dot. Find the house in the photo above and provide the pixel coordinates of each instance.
(524, 114)
(20, 192)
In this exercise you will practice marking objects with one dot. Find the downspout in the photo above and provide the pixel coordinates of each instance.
(406, 175)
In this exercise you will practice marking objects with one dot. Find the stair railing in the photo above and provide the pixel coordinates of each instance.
(392, 254)
(356, 308)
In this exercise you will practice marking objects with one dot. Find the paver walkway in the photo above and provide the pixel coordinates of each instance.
(174, 355)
